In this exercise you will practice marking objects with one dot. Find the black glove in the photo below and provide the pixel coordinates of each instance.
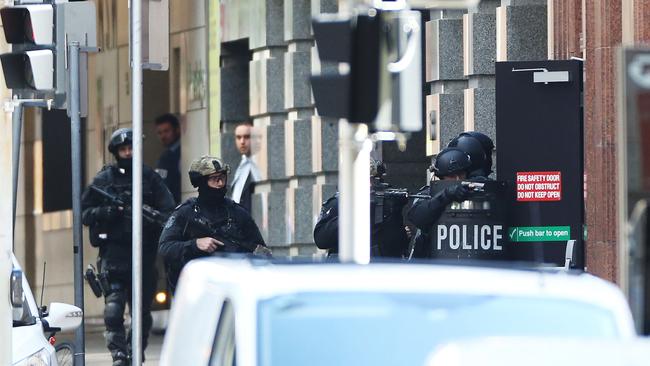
(106, 213)
(457, 192)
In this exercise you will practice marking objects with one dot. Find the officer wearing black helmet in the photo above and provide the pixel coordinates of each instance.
(387, 237)
(450, 164)
(479, 147)
(110, 231)
(186, 235)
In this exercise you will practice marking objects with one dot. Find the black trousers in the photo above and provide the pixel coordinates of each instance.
(119, 295)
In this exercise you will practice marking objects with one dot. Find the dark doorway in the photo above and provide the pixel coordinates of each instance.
(57, 165)
(235, 89)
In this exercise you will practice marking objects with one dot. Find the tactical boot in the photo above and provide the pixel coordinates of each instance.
(120, 359)
(121, 362)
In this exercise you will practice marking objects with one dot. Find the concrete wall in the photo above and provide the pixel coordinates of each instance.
(182, 90)
(295, 150)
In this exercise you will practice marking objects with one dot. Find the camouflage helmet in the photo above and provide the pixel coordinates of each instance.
(206, 166)
(377, 168)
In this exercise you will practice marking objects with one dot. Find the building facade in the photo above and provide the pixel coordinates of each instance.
(250, 60)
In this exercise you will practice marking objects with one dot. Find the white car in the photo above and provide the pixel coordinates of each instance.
(515, 351)
(29, 345)
(255, 312)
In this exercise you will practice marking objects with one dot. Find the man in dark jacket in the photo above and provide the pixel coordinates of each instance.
(208, 224)
(110, 230)
(388, 236)
(168, 166)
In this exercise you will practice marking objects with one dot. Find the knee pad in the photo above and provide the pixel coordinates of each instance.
(114, 314)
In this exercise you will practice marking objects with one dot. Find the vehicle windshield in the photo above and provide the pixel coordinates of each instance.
(402, 329)
(22, 315)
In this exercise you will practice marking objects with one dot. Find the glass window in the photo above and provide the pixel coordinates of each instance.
(402, 329)
(223, 350)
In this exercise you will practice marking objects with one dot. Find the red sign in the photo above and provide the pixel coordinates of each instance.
(539, 186)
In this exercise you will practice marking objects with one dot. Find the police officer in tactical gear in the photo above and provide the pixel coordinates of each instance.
(479, 147)
(110, 231)
(185, 237)
(450, 164)
(388, 236)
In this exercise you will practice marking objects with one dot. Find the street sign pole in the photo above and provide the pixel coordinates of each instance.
(75, 138)
(6, 240)
(136, 102)
(16, 126)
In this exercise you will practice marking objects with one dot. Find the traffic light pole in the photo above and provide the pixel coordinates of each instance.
(75, 137)
(16, 107)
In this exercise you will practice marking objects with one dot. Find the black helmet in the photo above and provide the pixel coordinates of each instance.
(488, 146)
(484, 139)
(123, 136)
(206, 166)
(451, 161)
(472, 147)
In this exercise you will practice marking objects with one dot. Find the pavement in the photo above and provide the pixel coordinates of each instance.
(96, 352)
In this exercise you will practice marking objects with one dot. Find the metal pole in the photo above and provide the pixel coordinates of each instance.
(6, 239)
(354, 194)
(136, 102)
(75, 137)
(17, 125)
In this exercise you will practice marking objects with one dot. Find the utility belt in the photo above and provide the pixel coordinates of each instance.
(98, 281)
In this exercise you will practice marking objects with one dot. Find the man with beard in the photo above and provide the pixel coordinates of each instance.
(210, 223)
(110, 231)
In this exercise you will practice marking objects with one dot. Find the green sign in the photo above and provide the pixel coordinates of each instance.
(539, 233)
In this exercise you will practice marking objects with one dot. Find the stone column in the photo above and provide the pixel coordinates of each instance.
(565, 40)
(522, 30)
(267, 110)
(444, 72)
(298, 127)
(603, 35)
(479, 46)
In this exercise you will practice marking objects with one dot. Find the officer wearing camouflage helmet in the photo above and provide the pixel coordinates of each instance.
(387, 237)
(207, 224)
(110, 231)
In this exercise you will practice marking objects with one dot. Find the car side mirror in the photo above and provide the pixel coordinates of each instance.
(16, 288)
(63, 317)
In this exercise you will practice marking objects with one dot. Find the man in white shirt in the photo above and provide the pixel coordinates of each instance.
(247, 172)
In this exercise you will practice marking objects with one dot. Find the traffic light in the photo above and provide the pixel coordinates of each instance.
(39, 35)
(30, 30)
(378, 74)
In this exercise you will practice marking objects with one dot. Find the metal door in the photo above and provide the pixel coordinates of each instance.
(540, 155)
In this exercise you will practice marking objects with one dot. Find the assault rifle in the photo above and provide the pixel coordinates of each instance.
(149, 213)
(231, 244)
(381, 191)
(474, 187)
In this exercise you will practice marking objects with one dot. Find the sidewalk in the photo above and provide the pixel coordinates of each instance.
(96, 352)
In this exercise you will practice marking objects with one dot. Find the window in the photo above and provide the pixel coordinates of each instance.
(403, 328)
(224, 349)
